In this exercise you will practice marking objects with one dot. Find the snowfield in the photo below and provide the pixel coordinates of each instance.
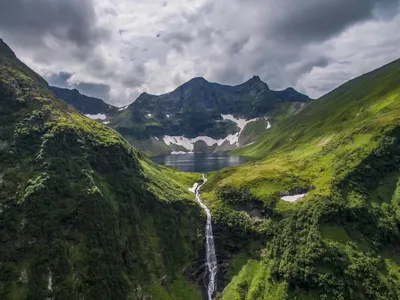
(232, 139)
(97, 116)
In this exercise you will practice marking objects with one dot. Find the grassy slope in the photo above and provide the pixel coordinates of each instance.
(82, 207)
(325, 140)
(342, 240)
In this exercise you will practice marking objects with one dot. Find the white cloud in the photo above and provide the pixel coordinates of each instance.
(128, 47)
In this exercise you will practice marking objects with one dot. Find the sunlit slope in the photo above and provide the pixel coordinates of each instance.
(329, 137)
(342, 240)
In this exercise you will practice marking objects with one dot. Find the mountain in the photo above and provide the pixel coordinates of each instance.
(342, 239)
(83, 103)
(83, 215)
(198, 116)
(201, 116)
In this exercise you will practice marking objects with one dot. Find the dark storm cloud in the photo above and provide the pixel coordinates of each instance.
(316, 20)
(288, 36)
(306, 65)
(72, 20)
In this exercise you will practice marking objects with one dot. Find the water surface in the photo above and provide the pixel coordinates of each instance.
(201, 162)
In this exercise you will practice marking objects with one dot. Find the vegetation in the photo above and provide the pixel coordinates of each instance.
(342, 240)
(82, 214)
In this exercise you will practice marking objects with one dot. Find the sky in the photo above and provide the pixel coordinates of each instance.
(117, 49)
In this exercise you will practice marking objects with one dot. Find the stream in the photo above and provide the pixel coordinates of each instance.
(211, 258)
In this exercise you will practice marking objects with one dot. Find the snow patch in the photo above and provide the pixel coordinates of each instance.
(241, 123)
(293, 198)
(106, 122)
(122, 108)
(194, 187)
(156, 138)
(167, 116)
(149, 115)
(232, 139)
(97, 116)
(268, 125)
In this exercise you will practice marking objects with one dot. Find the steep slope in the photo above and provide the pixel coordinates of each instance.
(200, 116)
(82, 214)
(87, 105)
(341, 240)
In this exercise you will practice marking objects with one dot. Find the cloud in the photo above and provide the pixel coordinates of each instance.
(316, 20)
(62, 79)
(72, 20)
(117, 49)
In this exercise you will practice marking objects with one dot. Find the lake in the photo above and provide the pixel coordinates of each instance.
(201, 162)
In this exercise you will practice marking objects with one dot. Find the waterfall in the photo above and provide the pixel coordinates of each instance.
(211, 259)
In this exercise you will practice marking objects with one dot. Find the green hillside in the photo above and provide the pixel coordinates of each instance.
(82, 214)
(342, 240)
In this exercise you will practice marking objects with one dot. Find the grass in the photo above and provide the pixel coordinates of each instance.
(329, 137)
(180, 288)
(254, 282)
(335, 233)
(329, 148)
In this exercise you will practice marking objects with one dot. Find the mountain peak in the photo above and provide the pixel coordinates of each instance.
(255, 81)
(198, 80)
(193, 83)
(292, 95)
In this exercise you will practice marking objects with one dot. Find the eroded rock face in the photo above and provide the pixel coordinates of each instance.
(257, 213)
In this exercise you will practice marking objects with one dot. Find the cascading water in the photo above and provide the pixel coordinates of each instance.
(211, 258)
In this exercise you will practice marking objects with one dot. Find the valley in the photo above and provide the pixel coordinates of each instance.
(315, 214)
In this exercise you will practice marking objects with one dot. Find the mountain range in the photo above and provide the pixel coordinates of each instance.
(198, 116)
(84, 215)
